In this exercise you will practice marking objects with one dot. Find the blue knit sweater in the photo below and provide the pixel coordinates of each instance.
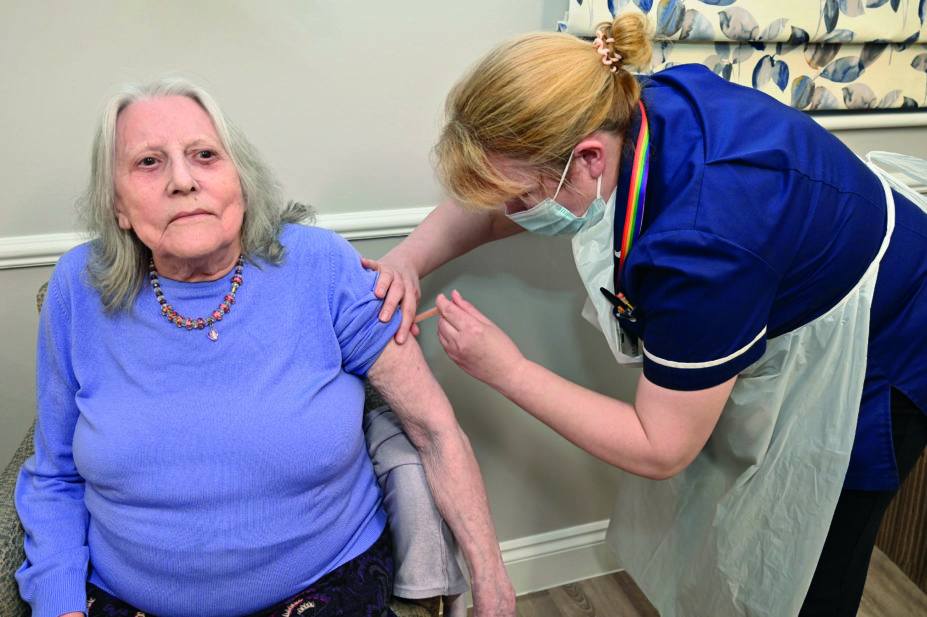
(187, 476)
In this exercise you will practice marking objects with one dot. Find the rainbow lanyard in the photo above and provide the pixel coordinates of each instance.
(633, 217)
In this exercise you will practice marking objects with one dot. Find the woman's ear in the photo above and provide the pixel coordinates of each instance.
(122, 218)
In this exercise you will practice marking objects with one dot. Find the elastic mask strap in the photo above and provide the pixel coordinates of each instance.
(563, 177)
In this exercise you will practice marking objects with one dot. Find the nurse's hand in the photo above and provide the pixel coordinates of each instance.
(473, 342)
(398, 285)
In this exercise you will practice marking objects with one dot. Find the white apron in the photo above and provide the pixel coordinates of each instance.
(739, 532)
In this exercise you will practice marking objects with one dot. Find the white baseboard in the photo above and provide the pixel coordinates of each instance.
(558, 557)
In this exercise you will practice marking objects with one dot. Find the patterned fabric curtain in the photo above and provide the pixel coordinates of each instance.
(813, 55)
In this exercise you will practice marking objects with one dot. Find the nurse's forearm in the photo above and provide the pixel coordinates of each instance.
(449, 232)
(656, 438)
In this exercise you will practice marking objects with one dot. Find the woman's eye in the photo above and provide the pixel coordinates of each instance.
(206, 155)
(148, 161)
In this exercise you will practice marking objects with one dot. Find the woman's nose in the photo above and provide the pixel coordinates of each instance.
(182, 180)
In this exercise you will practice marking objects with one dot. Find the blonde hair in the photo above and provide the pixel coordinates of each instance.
(119, 261)
(532, 100)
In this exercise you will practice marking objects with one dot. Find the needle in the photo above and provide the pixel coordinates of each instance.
(425, 315)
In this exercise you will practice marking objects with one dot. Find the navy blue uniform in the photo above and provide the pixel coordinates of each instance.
(758, 221)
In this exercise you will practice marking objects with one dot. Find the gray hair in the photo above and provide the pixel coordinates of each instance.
(119, 260)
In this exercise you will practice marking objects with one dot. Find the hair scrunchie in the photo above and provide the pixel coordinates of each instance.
(610, 58)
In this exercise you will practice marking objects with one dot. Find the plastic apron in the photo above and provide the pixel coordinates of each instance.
(740, 530)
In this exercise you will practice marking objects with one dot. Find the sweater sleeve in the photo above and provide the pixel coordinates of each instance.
(50, 492)
(355, 309)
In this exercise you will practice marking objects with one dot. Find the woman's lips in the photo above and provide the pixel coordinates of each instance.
(189, 215)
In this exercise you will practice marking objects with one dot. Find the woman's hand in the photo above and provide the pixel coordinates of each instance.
(496, 598)
(73, 615)
(398, 285)
(475, 343)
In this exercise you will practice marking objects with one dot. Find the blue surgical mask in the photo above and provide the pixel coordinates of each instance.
(549, 218)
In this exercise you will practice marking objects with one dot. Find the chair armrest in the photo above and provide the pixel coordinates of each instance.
(11, 533)
(428, 607)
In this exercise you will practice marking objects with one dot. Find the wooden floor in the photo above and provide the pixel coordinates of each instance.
(614, 595)
(888, 593)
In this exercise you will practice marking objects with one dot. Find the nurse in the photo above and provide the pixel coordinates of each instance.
(771, 284)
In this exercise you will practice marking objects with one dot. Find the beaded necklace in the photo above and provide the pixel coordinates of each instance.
(199, 323)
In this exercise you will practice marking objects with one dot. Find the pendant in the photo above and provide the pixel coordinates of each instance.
(212, 334)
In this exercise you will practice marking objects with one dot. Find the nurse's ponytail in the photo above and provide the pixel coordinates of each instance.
(628, 36)
(532, 100)
(624, 42)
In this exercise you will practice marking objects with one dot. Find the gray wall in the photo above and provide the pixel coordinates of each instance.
(343, 98)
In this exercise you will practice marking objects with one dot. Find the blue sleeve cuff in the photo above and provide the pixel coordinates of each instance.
(58, 592)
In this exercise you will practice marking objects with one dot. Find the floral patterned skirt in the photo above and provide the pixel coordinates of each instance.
(361, 587)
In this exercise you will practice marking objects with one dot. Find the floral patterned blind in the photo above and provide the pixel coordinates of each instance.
(810, 54)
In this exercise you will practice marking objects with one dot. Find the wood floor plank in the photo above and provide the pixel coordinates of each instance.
(889, 592)
(617, 594)
(635, 595)
(538, 604)
(572, 600)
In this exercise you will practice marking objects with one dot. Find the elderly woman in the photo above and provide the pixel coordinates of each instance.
(199, 447)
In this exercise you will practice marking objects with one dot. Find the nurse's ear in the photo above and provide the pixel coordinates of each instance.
(590, 156)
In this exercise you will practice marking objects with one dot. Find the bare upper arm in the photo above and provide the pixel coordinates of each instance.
(402, 376)
(679, 423)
